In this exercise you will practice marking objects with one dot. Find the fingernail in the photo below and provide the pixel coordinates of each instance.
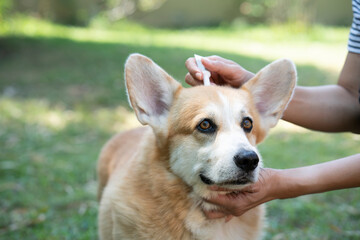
(206, 61)
(198, 76)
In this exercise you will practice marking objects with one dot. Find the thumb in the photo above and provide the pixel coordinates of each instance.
(215, 214)
(253, 188)
(215, 66)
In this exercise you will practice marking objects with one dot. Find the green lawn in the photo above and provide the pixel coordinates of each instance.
(62, 96)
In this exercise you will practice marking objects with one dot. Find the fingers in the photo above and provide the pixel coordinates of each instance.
(225, 199)
(215, 214)
(231, 204)
(229, 72)
(253, 188)
(237, 203)
(217, 66)
(218, 214)
(223, 71)
(193, 69)
(217, 58)
(212, 63)
(191, 81)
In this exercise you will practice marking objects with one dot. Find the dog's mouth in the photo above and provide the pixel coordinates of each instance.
(206, 180)
(240, 181)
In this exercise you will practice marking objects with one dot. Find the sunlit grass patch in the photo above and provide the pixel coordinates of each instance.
(47, 166)
(318, 45)
(56, 118)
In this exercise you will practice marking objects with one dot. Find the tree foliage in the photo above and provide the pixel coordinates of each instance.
(186, 12)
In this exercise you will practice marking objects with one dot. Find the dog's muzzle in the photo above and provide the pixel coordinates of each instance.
(246, 160)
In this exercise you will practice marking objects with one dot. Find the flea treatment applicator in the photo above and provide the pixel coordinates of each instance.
(205, 72)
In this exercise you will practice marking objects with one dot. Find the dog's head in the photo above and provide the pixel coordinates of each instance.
(211, 132)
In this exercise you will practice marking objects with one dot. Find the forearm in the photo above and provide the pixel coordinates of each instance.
(333, 108)
(290, 183)
(326, 108)
(333, 175)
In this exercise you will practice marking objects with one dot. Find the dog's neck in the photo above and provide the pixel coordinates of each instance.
(174, 198)
(170, 202)
(156, 165)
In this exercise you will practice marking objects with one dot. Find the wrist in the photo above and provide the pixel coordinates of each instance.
(271, 181)
(246, 77)
(297, 182)
(278, 187)
(241, 78)
(286, 184)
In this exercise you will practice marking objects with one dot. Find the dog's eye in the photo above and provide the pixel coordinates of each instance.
(206, 126)
(247, 124)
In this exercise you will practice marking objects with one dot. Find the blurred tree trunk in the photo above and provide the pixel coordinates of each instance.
(66, 12)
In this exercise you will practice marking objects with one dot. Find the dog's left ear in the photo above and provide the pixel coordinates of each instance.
(150, 90)
(272, 88)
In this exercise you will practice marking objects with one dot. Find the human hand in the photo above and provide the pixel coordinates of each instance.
(223, 71)
(236, 204)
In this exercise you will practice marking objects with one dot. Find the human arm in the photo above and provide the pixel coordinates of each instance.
(331, 108)
(290, 183)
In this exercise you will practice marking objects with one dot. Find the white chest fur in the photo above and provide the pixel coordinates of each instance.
(245, 227)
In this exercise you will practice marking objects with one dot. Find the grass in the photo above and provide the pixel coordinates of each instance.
(62, 96)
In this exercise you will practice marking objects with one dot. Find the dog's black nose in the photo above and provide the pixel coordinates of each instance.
(246, 160)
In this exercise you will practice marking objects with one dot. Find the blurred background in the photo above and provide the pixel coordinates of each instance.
(62, 96)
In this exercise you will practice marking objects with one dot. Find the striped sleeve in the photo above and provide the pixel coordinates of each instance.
(354, 37)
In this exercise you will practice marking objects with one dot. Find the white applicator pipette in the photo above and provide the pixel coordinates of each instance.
(205, 72)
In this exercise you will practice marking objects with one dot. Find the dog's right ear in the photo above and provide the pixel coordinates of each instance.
(272, 88)
(150, 90)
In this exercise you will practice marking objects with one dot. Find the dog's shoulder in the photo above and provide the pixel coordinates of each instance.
(119, 151)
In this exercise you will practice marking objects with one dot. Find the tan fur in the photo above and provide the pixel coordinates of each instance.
(157, 201)
(141, 196)
(150, 184)
(115, 153)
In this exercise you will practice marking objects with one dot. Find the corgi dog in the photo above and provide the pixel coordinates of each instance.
(153, 180)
